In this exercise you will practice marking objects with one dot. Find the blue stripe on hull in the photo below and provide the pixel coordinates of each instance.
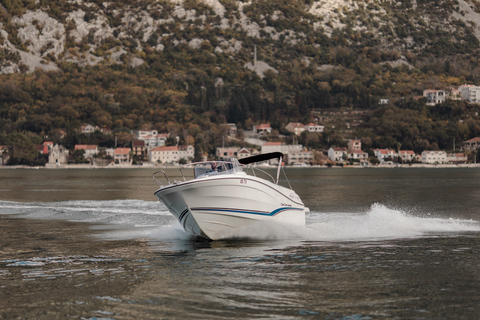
(262, 213)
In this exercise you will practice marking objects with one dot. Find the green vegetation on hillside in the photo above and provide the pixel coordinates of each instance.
(192, 92)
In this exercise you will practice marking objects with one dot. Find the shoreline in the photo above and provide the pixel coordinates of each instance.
(380, 166)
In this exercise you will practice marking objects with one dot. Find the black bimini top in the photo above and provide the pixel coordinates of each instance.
(261, 157)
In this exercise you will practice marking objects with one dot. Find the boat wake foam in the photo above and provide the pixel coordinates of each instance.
(129, 219)
(381, 222)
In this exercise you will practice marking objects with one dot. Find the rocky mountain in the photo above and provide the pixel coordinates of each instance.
(188, 67)
(41, 34)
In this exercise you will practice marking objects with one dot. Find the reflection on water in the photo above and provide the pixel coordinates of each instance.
(377, 245)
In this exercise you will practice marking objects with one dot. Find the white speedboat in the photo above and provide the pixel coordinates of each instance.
(227, 199)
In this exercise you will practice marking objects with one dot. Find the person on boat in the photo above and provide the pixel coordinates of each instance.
(213, 165)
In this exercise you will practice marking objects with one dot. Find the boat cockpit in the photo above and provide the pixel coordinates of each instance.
(207, 169)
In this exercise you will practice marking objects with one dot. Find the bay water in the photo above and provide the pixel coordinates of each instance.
(397, 243)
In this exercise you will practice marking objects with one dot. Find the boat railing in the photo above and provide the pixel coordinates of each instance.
(224, 167)
(160, 184)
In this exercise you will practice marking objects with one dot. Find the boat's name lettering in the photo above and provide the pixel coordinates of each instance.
(286, 205)
(243, 181)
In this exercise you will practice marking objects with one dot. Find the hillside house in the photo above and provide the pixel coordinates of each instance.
(434, 96)
(296, 127)
(262, 128)
(470, 93)
(88, 129)
(232, 129)
(312, 127)
(154, 140)
(354, 145)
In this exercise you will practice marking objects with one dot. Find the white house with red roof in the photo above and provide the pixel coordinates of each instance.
(384, 154)
(406, 155)
(312, 127)
(456, 158)
(232, 152)
(90, 149)
(354, 145)
(121, 155)
(262, 128)
(472, 144)
(355, 154)
(171, 154)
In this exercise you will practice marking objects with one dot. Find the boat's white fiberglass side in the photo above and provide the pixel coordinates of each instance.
(230, 203)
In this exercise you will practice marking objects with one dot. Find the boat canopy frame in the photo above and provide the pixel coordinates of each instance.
(245, 163)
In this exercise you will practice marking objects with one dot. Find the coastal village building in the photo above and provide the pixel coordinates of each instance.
(90, 150)
(88, 129)
(121, 155)
(139, 134)
(232, 129)
(262, 128)
(472, 144)
(354, 145)
(296, 127)
(406, 155)
(3, 155)
(44, 148)
(457, 158)
(434, 96)
(385, 154)
(173, 154)
(138, 148)
(337, 153)
(470, 93)
(232, 152)
(312, 127)
(58, 156)
(355, 154)
(152, 138)
(301, 157)
(280, 147)
(434, 157)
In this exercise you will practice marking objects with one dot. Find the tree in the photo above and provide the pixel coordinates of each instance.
(21, 149)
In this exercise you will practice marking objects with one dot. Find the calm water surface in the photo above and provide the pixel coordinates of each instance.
(379, 244)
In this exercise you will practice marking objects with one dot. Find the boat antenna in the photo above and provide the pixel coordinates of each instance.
(279, 168)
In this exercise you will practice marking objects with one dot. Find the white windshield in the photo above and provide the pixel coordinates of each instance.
(217, 167)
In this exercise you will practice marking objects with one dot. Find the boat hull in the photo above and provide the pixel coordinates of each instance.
(231, 206)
